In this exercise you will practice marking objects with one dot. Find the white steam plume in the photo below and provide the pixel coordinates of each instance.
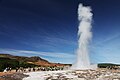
(85, 35)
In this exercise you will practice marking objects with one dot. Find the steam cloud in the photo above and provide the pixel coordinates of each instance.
(85, 35)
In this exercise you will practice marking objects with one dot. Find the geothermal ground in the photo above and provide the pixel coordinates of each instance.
(100, 74)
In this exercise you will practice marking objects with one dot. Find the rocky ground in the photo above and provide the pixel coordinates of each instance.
(13, 76)
(102, 74)
(99, 74)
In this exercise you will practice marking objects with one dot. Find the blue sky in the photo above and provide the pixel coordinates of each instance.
(48, 28)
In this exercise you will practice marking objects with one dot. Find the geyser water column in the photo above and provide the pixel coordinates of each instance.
(84, 35)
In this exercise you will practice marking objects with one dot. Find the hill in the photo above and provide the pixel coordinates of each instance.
(21, 61)
(22, 58)
(105, 65)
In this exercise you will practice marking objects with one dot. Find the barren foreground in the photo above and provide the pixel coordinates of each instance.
(101, 74)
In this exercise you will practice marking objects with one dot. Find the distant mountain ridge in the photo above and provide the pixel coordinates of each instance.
(22, 58)
(32, 60)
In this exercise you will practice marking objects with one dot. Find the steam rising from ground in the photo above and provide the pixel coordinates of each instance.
(85, 35)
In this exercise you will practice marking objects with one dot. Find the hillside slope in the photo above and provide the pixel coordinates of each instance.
(31, 60)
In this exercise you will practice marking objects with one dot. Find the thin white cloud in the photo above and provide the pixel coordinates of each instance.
(60, 40)
(109, 39)
(48, 54)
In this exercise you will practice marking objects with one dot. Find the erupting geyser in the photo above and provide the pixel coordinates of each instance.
(85, 35)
